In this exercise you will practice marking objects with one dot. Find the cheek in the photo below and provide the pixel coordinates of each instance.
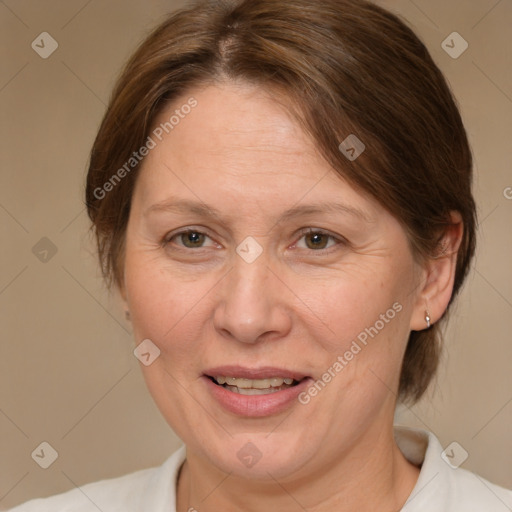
(362, 326)
(348, 307)
(165, 307)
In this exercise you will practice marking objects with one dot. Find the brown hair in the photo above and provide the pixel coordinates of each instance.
(348, 67)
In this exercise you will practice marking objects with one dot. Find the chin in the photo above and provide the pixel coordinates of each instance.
(261, 456)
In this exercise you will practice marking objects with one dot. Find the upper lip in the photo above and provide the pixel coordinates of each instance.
(263, 372)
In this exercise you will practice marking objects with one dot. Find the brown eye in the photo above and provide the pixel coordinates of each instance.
(192, 239)
(189, 238)
(317, 240)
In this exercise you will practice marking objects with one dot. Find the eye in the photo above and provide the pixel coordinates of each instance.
(317, 240)
(190, 239)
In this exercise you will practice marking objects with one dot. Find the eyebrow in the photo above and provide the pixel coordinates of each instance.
(312, 209)
(183, 206)
(180, 206)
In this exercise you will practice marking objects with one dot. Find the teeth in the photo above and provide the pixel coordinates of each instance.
(253, 391)
(255, 384)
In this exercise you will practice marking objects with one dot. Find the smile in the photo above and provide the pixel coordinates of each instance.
(255, 392)
(255, 386)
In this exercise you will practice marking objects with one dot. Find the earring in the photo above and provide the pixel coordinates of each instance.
(127, 315)
(427, 318)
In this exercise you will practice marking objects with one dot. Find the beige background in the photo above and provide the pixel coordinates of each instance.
(67, 372)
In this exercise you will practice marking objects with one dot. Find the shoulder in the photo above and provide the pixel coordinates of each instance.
(443, 484)
(147, 489)
(478, 494)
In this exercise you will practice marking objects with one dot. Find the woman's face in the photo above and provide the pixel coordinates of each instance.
(247, 256)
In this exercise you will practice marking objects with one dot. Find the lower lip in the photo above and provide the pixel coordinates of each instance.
(256, 405)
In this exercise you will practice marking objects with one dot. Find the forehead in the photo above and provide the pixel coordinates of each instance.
(233, 116)
(240, 141)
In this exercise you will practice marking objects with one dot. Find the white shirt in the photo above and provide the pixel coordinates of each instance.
(440, 488)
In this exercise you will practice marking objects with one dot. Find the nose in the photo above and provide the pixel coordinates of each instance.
(252, 304)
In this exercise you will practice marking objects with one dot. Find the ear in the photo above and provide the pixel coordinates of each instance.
(438, 276)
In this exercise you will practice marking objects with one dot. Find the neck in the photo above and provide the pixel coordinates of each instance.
(369, 477)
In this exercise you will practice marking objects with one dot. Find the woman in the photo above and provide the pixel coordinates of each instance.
(281, 192)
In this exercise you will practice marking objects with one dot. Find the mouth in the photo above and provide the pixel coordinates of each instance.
(255, 392)
(244, 386)
(254, 381)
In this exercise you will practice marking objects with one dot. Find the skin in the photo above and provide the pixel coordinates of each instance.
(296, 306)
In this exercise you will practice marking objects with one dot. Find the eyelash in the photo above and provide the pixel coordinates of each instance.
(304, 232)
